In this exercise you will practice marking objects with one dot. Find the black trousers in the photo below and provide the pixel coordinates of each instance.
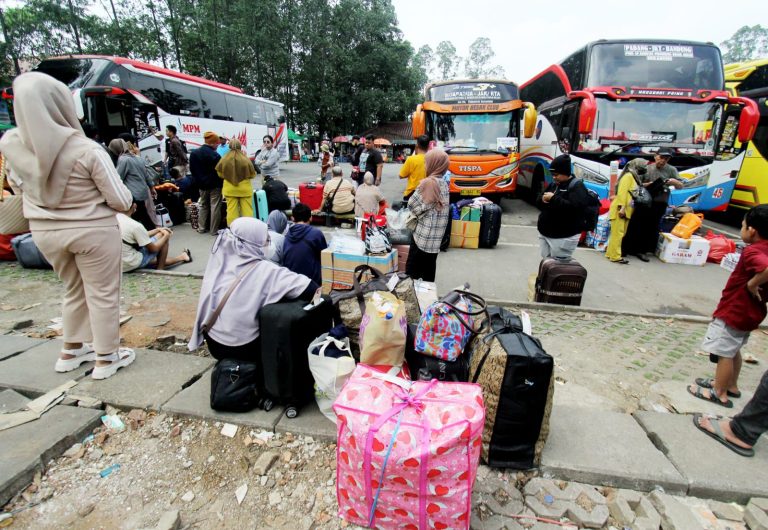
(643, 231)
(420, 264)
(142, 216)
(752, 422)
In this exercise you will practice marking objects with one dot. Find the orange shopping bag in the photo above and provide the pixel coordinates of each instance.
(688, 225)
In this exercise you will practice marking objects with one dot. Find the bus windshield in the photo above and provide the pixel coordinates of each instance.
(653, 123)
(656, 66)
(474, 132)
(75, 73)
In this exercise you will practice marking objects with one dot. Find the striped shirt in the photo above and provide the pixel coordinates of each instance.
(430, 227)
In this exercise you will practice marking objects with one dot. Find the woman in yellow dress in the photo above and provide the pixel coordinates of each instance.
(622, 207)
(237, 171)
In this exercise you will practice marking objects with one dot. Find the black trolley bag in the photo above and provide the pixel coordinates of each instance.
(286, 331)
(490, 225)
(560, 282)
(516, 375)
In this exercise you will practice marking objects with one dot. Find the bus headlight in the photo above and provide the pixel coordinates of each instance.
(503, 170)
(589, 175)
(693, 178)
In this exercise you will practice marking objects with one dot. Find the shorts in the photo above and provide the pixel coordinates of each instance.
(721, 340)
(146, 255)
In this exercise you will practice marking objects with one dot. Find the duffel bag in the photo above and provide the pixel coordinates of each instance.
(425, 367)
(447, 325)
(517, 379)
(234, 386)
(27, 253)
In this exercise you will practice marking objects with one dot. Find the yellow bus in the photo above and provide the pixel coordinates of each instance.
(750, 79)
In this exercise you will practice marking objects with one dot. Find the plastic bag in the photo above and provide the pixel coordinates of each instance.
(331, 364)
(688, 225)
(719, 246)
(376, 240)
(345, 244)
(397, 224)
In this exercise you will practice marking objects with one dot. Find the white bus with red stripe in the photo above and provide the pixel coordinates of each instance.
(118, 95)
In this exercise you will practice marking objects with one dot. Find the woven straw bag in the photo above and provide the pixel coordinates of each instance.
(12, 220)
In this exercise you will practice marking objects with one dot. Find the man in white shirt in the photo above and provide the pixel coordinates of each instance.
(142, 248)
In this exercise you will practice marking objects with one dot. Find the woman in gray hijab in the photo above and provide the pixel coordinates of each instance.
(277, 223)
(72, 194)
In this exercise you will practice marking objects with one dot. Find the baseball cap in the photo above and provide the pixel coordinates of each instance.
(665, 151)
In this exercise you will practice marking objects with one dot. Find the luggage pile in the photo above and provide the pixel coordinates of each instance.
(475, 224)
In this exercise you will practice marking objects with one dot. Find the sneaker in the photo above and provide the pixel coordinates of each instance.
(123, 357)
(81, 355)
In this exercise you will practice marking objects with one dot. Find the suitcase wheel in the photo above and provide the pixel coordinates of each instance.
(291, 411)
(265, 404)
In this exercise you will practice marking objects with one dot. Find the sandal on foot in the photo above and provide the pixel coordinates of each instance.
(720, 436)
(123, 357)
(189, 255)
(622, 261)
(708, 382)
(81, 355)
(712, 397)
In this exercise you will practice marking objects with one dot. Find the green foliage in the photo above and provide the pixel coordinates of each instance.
(477, 64)
(447, 61)
(749, 42)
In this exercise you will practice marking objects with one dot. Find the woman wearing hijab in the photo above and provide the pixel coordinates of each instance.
(137, 179)
(429, 203)
(237, 171)
(277, 223)
(72, 194)
(116, 148)
(622, 208)
(239, 251)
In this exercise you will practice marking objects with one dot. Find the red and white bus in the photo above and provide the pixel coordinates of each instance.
(118, 95)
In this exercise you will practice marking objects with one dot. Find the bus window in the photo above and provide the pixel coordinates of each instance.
(214, 105)
(574, 68)
(238, 110)
(150, 87)
(182, 99)
(543, 89)
(757, 79)
(256, 112)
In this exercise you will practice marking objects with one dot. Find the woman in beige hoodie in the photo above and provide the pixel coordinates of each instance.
(71, 196)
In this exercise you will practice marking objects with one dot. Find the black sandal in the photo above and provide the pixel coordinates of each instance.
(708, 382)
(712, 397)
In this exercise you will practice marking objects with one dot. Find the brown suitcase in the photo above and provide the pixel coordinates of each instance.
(560, 282)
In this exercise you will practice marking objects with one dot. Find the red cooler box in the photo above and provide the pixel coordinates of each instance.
(311, 194)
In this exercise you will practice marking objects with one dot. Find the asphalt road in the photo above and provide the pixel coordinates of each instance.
(502, 273)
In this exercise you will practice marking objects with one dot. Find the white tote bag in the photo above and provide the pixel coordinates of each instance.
(330, 373)
(163, 217)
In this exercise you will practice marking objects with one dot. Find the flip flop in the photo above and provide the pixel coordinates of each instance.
(708, 382)
(720, 436)
(712, 397)
(189, 254)
(621, 261)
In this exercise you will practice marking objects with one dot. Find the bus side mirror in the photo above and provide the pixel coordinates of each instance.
(418, 122)
(748, 119)
(529, 120)
(587, 110)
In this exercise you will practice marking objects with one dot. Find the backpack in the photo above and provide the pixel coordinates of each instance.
(168, 145)
(592, 209)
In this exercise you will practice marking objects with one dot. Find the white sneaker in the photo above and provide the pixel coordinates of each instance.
(123, 357)
(81, 355)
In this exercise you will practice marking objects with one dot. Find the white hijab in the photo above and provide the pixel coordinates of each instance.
(235, 250)
(48, 141)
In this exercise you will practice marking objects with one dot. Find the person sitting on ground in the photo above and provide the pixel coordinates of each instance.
(277, 194)
(142, 248)
(236, 170)
(368, 198)
(742, 432)
(303, 244)
(340, 193)
(741, 309)
(622, 208)
(240, 250)
(277, 223)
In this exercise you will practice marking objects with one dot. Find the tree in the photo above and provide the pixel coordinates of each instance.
(746, 44)
(477, 64)
(424, 60)
(447, 60)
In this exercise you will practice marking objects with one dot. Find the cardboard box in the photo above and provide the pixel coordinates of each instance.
(468, 213)
(465, 234)
(673, 249)
(338, 269)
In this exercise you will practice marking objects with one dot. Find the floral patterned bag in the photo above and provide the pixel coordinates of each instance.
(447, 325)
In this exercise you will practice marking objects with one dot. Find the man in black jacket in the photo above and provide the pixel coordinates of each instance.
(563, 207)
(202, 165)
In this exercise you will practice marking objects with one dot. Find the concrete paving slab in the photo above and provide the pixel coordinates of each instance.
(711, 470)
(571, 393)
(606, 448)
(11, 345)
(152, 379)
(195, 401)
(31, 372)
(684, 403)
(25, 449)
(309, 422)
(11, 401)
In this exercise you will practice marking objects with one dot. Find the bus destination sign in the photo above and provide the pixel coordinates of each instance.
(473, 93)
(662, 92)
(658, 52)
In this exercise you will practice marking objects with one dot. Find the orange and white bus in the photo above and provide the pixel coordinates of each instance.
(118, 95)
(477, 122)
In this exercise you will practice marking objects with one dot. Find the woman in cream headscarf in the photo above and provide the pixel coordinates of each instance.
(237, 171)
(71, 196)
(429, 203)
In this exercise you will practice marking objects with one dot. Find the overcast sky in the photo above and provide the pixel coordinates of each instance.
(528, 37)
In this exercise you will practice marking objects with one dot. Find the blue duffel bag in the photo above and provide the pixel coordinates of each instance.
(27, 253)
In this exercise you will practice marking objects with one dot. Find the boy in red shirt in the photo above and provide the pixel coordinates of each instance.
(741, 309)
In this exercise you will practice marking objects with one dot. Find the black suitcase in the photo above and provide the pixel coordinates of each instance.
(516, 375)
(286, 330)
(668, 222)
(490, 225)
(174, 203)
(560, 282)
(425, 367)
